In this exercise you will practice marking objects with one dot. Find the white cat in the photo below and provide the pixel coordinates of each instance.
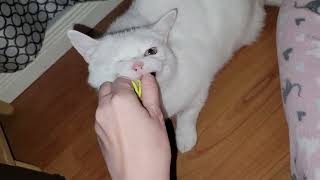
(185, 42)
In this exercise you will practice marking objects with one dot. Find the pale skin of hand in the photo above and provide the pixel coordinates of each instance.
(132, 134)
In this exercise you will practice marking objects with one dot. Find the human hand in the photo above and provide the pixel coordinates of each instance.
(132, 134)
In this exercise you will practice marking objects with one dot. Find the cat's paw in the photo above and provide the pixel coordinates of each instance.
(186, 138)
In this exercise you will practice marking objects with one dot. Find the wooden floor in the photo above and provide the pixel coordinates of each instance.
(242, 131)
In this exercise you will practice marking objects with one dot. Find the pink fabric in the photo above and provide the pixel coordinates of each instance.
(299, 61)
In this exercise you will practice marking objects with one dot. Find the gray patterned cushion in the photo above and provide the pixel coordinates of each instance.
(22, 29)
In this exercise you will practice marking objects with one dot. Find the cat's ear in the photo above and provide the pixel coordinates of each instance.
(165, 24)
(84, 44)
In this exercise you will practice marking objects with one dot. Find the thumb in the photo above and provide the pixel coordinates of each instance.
(150, 95)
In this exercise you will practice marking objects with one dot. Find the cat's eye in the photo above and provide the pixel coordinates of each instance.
(151, 51)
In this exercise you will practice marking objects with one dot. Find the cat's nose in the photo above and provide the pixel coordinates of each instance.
(137, 66)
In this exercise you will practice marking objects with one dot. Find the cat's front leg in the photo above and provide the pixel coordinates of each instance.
(186, 131)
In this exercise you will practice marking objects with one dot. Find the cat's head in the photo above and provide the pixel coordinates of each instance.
(129, 53)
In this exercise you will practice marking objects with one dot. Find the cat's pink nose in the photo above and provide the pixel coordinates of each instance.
(137, 66)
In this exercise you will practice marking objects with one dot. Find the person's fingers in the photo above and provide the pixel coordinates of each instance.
(122, 86)
(104, 90)
(151, 95)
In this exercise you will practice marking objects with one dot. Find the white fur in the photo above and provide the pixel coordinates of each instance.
(204, 36)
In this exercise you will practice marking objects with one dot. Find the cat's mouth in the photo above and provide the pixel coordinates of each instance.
(154, 74)
(137, 69)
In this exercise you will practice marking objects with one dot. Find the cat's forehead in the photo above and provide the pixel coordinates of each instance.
(127, 44)
(138, 37)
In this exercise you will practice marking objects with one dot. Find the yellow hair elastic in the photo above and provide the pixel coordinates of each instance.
(137, 86)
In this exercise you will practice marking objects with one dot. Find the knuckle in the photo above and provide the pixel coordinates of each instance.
(102, 112)
(118, 100)
(96, 127)
(99, 116)
(103, 104)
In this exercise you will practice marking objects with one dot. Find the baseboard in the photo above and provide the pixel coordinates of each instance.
(55, 45)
